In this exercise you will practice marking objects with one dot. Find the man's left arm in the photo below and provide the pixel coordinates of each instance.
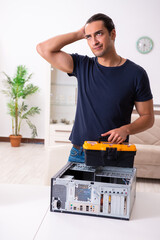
(145, 121)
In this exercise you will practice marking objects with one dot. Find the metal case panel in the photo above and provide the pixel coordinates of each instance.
(102, 191)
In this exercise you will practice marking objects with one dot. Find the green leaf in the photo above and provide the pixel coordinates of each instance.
(9, 81)
(31, 112)
(29, 90)
(33, 128)
(11, 108)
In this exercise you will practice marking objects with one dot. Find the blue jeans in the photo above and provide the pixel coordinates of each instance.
(76, 155)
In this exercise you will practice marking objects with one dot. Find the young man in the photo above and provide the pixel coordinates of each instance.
(108, 85)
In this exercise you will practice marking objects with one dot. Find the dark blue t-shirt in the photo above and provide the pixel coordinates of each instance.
(106, 96)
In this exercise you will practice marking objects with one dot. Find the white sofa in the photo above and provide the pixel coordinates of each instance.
(57, 158)
(147, 159)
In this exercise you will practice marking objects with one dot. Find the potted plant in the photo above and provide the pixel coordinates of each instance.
(17, 90)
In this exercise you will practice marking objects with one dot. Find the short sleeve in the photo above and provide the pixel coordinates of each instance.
(75, 58)
(143, 90)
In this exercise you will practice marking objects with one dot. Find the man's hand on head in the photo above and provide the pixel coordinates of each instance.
(81, 32)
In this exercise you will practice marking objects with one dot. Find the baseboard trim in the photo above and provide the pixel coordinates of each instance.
(24, 140)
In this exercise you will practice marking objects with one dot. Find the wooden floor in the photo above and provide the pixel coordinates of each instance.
(28, 165)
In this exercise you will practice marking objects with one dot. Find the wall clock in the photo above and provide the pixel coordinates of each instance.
(144, 45)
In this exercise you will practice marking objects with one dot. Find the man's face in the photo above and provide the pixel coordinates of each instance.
(99, 39)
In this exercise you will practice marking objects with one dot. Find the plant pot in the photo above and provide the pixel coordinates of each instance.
(15, 140)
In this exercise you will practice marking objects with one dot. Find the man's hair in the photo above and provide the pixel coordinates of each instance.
(108, 23)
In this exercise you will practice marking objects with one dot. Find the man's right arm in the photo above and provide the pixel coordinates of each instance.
(50, 50)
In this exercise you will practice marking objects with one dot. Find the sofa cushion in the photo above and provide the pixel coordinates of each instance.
(148, 171)
(146, 154)
(149, 137)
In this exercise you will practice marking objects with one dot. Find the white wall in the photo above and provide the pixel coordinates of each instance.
(24, 23)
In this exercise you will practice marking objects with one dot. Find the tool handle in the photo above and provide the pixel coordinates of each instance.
(103, 139)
